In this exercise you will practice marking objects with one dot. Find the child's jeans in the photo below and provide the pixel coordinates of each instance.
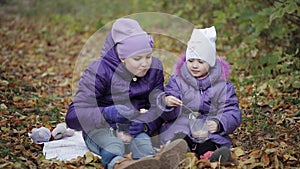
(104, 142)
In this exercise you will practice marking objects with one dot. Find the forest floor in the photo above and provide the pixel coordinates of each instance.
(37, 62)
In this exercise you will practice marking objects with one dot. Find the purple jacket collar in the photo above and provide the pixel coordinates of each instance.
(215, 74)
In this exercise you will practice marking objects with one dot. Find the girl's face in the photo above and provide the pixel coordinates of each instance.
(197, 67)
(138, 64)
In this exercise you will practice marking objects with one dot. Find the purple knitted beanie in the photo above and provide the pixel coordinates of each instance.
(130, 38)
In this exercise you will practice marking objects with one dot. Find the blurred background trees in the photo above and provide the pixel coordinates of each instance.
(259, 38)
(41, 40)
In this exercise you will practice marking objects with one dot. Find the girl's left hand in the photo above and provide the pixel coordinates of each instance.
(212, 126)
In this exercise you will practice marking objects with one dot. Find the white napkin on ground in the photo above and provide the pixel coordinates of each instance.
(66, 148)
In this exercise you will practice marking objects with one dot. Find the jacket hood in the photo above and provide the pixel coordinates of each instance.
(110, 58)
(109, 54)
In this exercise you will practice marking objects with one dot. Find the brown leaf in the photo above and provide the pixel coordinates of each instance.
(247, 161)
(260, 138)
(255, 153)
(203, 163)
(17, 99)
(279, 122)
(255, 165)
(265, 159)
(234, 158)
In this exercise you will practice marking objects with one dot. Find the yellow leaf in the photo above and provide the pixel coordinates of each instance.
(17, 98)
(214, 165)
(278, 164)
(3, 106)
(239, 151)
(89, 157)
(4, 83)
(20, 45)
(190, 159)
(279, 122)
(96, 159)
(289, 157)
(48, 125)
(65, 83)
(283, 144)
(31, 103)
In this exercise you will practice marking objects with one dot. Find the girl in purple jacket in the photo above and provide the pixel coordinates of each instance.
(199, 104)
(116, 100)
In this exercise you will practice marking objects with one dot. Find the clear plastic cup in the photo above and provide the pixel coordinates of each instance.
(199, 129)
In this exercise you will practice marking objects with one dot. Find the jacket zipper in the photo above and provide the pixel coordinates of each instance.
(201, 100)
(201, 91)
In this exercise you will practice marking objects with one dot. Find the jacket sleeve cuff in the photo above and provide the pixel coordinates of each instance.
(161, 104)
(220, 126)
(153, 126)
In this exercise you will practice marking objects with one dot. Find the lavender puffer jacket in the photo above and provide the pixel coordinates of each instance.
(107, 82)
(213, 96)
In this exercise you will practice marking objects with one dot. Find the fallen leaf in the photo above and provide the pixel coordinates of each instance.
(190, 160)
(277, 163)
(214, 165)
(89, 157)
(265, 159)
(3, 106)
(255, 165)
(65, 83)
(255, 153)
(283, 145)
(203, 163)
(4, 83)
(239, 151)
(270, 150)
(248, 161)
(289, 157)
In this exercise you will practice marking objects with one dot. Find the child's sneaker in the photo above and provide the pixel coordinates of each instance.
(146, 162)
(221, 154)
(173, 154)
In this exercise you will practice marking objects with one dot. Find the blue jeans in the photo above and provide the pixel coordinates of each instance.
(103, 142)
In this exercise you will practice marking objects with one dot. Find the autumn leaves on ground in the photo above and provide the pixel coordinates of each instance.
(37, 61)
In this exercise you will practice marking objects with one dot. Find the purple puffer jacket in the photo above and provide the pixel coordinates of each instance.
(212, 96)
(107, 82)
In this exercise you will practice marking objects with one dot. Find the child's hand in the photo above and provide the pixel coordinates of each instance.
(172, 101)
(124, 136)
(212, 126)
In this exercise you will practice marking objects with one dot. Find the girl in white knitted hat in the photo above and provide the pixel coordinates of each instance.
(199, 104)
